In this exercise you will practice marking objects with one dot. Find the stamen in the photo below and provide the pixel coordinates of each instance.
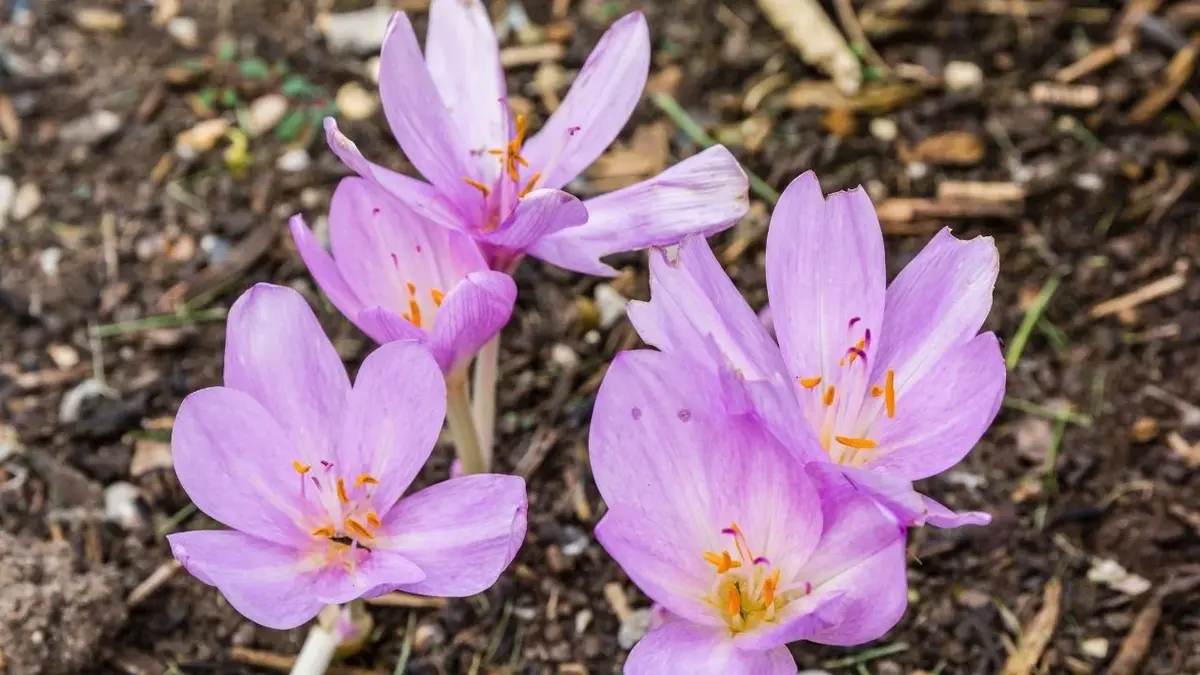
(365, 479)
(723, 562)
(856, 443)
(301, 468)
(770, 585)
(889, 389)
(876, 391)
(373, 519)
(866, 341)
(761, 560)
(856, 352)
(325, 531)
(412, 288)
(853, 321)
(810, 382)
(326, 465)
(437, 296)
(487, 191)
(733, 601)
(829, 393)
(414, 313)
(341, 491)
(537, 175)
(357, 528)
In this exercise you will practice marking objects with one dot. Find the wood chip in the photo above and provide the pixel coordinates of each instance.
(952, 148)
(1036, 636)
(881, 98)
(10, 123)
(526, 55)
(614, 593)
(535, 452)
(1188, 452)
(1179, 71)
(1094, 60)
(1152, 291)
(1079, 96)
(399, 599)
(153, 582)
(909, 209)
(1137, 642)
(150, 455)
(99, 19)
(807, 28)
(984, 191)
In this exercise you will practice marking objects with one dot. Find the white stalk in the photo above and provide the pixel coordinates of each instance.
(462, 426)
(318, 648)
(484, 406)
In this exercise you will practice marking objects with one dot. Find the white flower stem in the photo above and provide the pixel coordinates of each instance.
(318, 649)
(484, 388)
(462, 426)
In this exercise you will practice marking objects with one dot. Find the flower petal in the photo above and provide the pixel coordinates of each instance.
(393, 418)
(463, 532)
(938, 301)
(418, 117)
(473, 313)
(682, 647)
(598, 105)
(893, 493)
(704, 194)
(464, 63)
(235, 463)
(801, 619)
(537, 214)
(323, 269)
(938, 515)
(276, 351)
(265, 582)
(875, 597)
(378, 572)
(421, 197)
(825, 268)
(692, 298)
(943, 415)
(383, 327)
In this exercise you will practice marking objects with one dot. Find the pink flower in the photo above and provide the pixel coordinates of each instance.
(893, 382)
(399, 277)
(310, 472)
(716, 522)
(489, 178)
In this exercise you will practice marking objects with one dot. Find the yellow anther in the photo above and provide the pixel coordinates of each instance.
(412, 288)
(373, 519)
(357, 528)
(487, 191)
(365, 479)
(733, 601)
(325, 531)
(856, 443)
(537, 175)
(723, 561)
(414, 313)
(770, 585)
(889, 389)
(301, 468)
(437, 296)
(829, 394)
(876, 391)
(341, 491)
(809, 382)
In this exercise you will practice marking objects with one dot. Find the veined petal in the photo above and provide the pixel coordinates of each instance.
(464, 62)
(875, 595)
(938, 515)
(277, 352)
(944, 414)
(423, 198)
(692, 298)
(938, 301)
(598, 105)
(418, 117)
(682, 647)
(463, 532)
(235, 463)
(378, 569)
(538, 214)
(893, 493)
(825, 269)
(801, 619)
(323, 269)
(393, 418)
(265, 582)
(383, 327)
(703, 194)
(473, 313)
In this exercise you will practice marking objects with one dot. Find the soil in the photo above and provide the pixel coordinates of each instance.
(1091, 469)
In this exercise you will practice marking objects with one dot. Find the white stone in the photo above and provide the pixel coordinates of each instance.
(884, 128)
(183, 29)
(27, 201)
(962, 75)
(1096, 648)
(264, 113)
(609, 304)
(633, 628)
(91, 128)
(121, 505)
(358, 32)
(293, 161)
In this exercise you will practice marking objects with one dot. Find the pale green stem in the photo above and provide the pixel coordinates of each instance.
(318, 647)
(484, 389)
(462, 426)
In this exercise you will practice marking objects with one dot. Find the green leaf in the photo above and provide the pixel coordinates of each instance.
(291, 126)
(298, 87)
(208, 96)
(255, 68)
(229, 98)
(226, 50)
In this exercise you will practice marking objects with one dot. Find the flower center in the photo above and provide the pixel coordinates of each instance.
(415, 300)
(747, 590)
(348, 522)
(838, 406)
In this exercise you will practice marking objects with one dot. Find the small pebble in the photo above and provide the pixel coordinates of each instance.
(91, 128)
(99, 19)
(884, 128)
(582, 620)
(1089, 182)
(575, 541)
(63, 356)
(121, 505)
(48, 261)
(917, 170)
(27, 201)
(371, 68)
(356, 103)
(1112, 574)
(1096, 648)
(962, 75)
(293, 161)
(1145, 429)
(358, 32)
(264, 113)
(633, 628)
(610, 304)
(183, 29)
(200, 138)
(564, 356)
(428, 635)
(164, 11)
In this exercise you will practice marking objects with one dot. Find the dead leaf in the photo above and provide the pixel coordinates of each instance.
(1110, 573)
(644, 156)
(1037, 633)
(1034, 436)
(953, 148)
(149, 455)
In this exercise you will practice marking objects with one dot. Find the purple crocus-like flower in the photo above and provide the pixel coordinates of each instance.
(488, 178)
(893, 381)
(398, 276)
(714, 520)
(309, 473)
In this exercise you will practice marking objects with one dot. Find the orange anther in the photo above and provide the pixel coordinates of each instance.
(889, 389)
(733, 601)
(341, 491)
(530, 185)
(856, 443)
(414, 313)
(326, 531)
(301, 468)
(876, 391)
(412, 288)
(437, 296)
(487, 191)
(365, 479)
(829, 394)
(770, 585)
(373, 519)
(357, 528)
(809, 382)
(723, 562)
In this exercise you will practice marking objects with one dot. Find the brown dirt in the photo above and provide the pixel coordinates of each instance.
(1111, 206)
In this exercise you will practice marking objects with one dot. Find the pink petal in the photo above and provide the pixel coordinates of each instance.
(323, 269)
(423, 198)
(893, 493)
(464, 62)
(937, 302)
(943, 415)
(235, 463)
(378, 572)
(463, 532)
(393, 418)
(703, 194)
(801, 619)
(538, 214)
(473, 312)
(596, 108)
(825, 268)
(277, 352)
(692, 298)
(682, 647)
(265, 582)
(418, 117)
(382, 326)
(875, 597)
(938, 515)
